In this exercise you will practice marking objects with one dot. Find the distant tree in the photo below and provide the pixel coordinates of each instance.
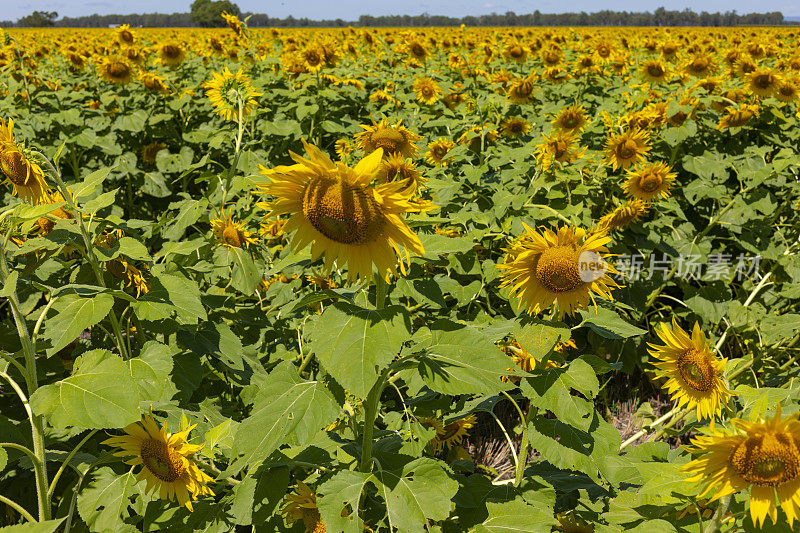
(208, 13)
(38, 19)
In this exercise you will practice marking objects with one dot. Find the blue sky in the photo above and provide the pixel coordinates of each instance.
(352, 9)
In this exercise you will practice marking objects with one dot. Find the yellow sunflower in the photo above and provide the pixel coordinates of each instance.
(166, 460)
(154, 83)
(557, 147)
(521, 90)
(394, 139)
(301, 504)
(514, 127)
(762, 82)
(570, 119)
(448, 435)
(233, 23)
(399, 169)
(737, 116)
(570, 523)
(626, 149)
(650, 181)
(229, 232)
(788, 90)
(427, 90)
(623, 215)
(171, 54)
(115, 70)
(227, 90)
(438, 150)
(20, 168)
(565, 267)
(763, 455)
(694, 373)
(125, 35)
(335, 208)
(654, 71)
(133, 278)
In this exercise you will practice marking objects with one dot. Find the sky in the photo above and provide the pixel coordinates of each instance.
(352, 9)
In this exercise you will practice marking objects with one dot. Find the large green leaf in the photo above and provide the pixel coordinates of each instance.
(515, 516)
(103, 503)
(552, 389)
(73, 315)
(48, 526)
(100, 393)
(355, 344)
(608, 324)
(336, 494)
(287, 409)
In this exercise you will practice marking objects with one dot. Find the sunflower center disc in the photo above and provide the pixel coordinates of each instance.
(626, 149)
(557, 269)
(117, 70)
(650, 182)
(171, 51)
(343, 212)
(767, 459)
(697, 370)
(15, 168)
(230, 236)
(389, 139)
(165, 464)
(655, 71)
(763, 81)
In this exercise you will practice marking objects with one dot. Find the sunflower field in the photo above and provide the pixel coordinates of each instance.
(403, 280)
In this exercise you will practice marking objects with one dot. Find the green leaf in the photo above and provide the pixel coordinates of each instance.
(3, 458)
(286, 408)
(342, 490)
(73, 315)
(459, 359)
(150, 371)
(419, 492)
(551, 389)
(100, 393)
(168, 293)
(87, 187)
(515, 516)
(246, 276)
(540, 337)
(103, 503)
(355, 345)
(190, 211)
(104, 200)
(126, 246)
(48, 526)
(10, 286)
(608, 324)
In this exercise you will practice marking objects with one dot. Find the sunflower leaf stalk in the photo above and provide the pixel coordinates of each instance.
(370, 414)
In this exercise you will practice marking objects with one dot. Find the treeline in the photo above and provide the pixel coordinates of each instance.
(660, 17)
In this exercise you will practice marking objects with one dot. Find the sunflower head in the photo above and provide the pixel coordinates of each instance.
(21, 168)
(521, 90)
(450, 434)
(627, 148)
(623, 215)
(231, 93)
(514, 127)
(438, 150)
(229, 232)
(762, 455)
(171, 54)
(650, 181)
(400, 169)
(427, 90)
(392, 139)
(558, 147)
(301, 504)
(115, 70)
(125, 35)
(693, 372)
(154, 83)
(654, 71)
(565, 267)
(737, 116)
(762, 82)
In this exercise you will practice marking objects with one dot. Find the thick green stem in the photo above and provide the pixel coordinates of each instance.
(524, 447)
(716, 520)
(370, 413)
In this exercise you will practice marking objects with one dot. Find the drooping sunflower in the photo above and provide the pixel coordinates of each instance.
(399, 169)
(628, 148)
(515, 52)
(737, 116)
(650, 181)
(521, 90)
(229, 232)
(416, 50)
(171, 54)
(133, 278)
(233, 23)
(227, 90)
(427, 90)
(570, 119)
(514, 127)
(438, 150)
(336, 210)
(450, 434)
(557, 147)
(166, 460)
(301, 504)
(693, 372)
(115, 70)
(762, 82)
(788, 90)
(570, 523)
(125, 35)
(20, 168)
(762, 455)
(623, 215)
(154, 83)
(565, 267)
(393, 139)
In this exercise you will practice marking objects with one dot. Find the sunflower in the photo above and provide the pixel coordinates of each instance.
(231, 233)
(227, 90)
(427, 90)
(558, 147)
(399, 169)
(448, 435)
(438, 150)
(565, 267)
(154, 83)
(115, 70)
(737, 116)
(166, 460)
(650, 181)
(125, 35)
(623, 215)
(133, 278)
(762, 82)
(787, 90)
(570, 523)
(628, 148)
(416, 50)
(233, 23)
(762, 455)
(515, 52)
(654, 71)
(570, 119)
(524, 360)
(521, 91)
(335, 208)
(19, 166)
(694, 373)
(700, 66)
(301, 504)
(514, 127)
(171, 54)
(395, 139)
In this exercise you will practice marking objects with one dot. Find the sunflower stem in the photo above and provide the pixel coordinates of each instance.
(716, 520)
(370, 413)
(524, 447)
